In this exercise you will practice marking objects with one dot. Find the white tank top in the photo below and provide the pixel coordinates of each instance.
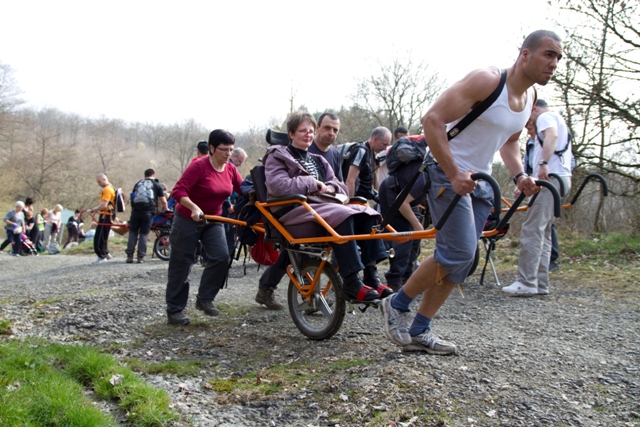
(475, 146)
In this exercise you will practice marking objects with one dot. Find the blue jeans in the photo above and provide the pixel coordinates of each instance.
(139, 228)
(184, 237)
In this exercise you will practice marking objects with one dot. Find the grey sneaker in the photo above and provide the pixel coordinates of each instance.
(267, 298)
(395, 323)
(109, 256)
(207, 307)
(177, 319)
(431, 343)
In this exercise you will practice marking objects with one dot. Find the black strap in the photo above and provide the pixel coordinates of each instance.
(475, 113)
(453, 132)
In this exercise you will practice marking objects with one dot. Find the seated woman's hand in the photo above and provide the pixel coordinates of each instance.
(321, 187)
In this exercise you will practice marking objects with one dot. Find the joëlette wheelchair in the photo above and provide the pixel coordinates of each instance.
(315, 299)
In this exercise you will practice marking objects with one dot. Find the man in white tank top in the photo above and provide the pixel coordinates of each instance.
(472, 150)
(551, 155)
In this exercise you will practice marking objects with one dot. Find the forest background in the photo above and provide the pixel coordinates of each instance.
(53, 156)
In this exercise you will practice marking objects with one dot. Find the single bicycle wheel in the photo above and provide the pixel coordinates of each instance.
(162, 246)
(320, 317)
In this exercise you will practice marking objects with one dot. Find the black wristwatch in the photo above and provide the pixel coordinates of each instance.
(515, 178)
(543, 162)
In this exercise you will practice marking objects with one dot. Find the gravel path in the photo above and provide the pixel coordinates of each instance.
(568, 359)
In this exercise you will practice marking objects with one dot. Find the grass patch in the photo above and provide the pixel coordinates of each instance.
(43, 384)
(117, 245)
(286, 378)
(5, 327)
(614, 248)
(178, 368)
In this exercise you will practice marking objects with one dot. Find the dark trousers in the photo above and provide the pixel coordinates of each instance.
(139, 228)
(274, 273)
(34, 236)
(16, 240)
(101, 238)
(554, 244)
(406, 253)
(184, 237)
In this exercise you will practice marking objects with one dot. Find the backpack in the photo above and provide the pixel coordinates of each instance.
(404, 151)
(121, 201)
(143, 196)
(345, 151)
(245, 209)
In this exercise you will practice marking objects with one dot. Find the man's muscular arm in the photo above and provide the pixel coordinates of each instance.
(454, 103)
(510, 153)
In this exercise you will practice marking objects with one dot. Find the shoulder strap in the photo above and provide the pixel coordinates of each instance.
(475, 113)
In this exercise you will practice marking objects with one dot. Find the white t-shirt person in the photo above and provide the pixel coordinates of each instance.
(560, 165)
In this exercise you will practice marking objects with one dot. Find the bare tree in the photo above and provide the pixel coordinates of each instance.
(598, 88)
(181, 146)
(155, 135)
(399, 93)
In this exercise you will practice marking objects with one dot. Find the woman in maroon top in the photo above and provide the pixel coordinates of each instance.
(202, 188)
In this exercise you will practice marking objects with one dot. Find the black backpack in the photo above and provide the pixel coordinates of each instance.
(143, 196)
(345, 151)
(245, 209)
(405, 151)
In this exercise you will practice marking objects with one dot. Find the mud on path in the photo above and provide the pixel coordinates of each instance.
(568, 359)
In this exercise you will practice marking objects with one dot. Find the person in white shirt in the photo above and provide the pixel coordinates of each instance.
(551, 155)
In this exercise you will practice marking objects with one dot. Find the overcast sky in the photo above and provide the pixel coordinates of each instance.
(233, 64)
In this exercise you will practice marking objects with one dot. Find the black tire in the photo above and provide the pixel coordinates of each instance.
(321, 317)
(476, 261)
(162, 246)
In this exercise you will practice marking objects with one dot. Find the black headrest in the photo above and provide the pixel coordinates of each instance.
(275, 137)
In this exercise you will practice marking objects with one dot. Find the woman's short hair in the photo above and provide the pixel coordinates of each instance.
(19, 204)
(57, 208)
(297, 118)
(28, 201)
(220, 136)
(44, 212)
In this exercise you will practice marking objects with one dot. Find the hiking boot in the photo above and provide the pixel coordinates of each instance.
(177, 319)
(553, 266)
(267, 298)
(355, 290)
(396, 323)
(129, 260)
(518, 289)
(372, 280)
(141, 260)
(207, 307)
(431, 343)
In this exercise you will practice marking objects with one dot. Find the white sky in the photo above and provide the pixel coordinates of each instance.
(233, 64)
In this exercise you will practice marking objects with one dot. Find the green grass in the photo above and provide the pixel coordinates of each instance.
(5, 327)
(286, 378)
(178, 368)
(43, 385)
(117, 244)
(613, 247)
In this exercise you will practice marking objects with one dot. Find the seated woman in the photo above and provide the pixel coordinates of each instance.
(292, 170)
(202, 188)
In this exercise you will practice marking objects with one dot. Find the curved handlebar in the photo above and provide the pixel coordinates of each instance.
(497, 198)
(557, 207)
(562, 190)
(603, 184)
